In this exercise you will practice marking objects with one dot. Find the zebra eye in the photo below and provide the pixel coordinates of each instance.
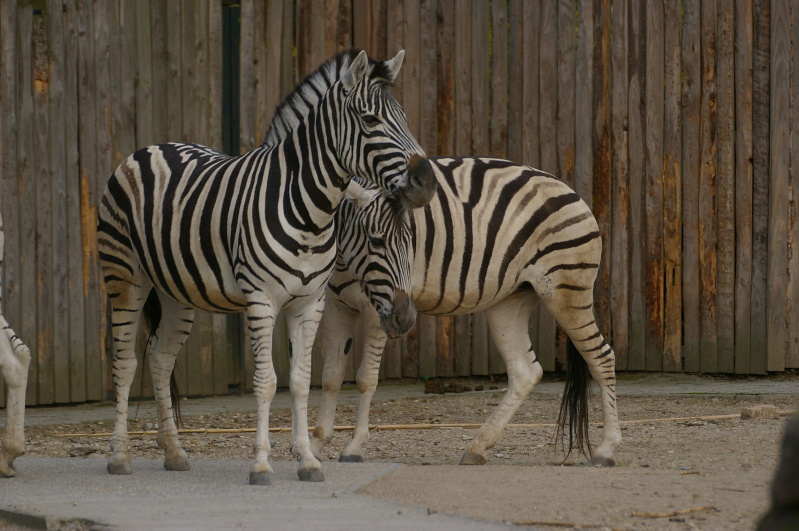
(370, 119)
(377, 242)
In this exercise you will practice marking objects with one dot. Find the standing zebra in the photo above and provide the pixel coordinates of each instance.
(253, 234)
(498, 237)
(15, 358)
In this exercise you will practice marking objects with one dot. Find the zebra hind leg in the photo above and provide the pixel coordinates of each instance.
(171, 325)
(14, 362)
(508, 323)
(576, 316)
(127, 299)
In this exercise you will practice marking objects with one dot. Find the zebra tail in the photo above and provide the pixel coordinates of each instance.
(574, 405)
(152, 318)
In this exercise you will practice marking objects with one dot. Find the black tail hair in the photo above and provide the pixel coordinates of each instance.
(152, 318)
(574, 405)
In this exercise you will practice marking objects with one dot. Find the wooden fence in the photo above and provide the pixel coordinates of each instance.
(676, 120)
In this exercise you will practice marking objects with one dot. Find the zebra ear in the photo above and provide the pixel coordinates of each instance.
(394, 65)
(358, 195)
(355, 72)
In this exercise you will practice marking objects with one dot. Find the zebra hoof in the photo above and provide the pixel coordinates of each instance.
(602, 462)
(177, 464)
(119, 464)
(310, 474)
(350, 459)
(7, 470)
(473, 459)
(260, 478)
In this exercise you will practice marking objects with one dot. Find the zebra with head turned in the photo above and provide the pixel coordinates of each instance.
(15, 358)
(498, 237)
(253, 233)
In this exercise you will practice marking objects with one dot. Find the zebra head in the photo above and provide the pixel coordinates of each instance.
(376, 245)
(378, 145)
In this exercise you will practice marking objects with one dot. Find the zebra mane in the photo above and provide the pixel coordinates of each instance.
(306, 96)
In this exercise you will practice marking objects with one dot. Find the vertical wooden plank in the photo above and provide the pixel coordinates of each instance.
(269, 68)
(174, 43)
(499, 81)
(654, 186)
(74, 259)
(332, 26)
(792, 356)
(105, 19)
(427, 77)
(410, 354)
(672, 197)
(637, 167)
(58, 178)
(743, 184)
(779, 194)
(427, 346)
(377, 31)
(447, 69)
(247, 60)
(481, 24)
(360, 27)
(159, 28)
(516, 63)
(544, 336)
(529, 16)
(708, 345)
(566, 76)
(262, 113)
(444, 348)
(760, 182)
(8, 166)
(26, 186)
(40, 181)
(691, 100)
(725, 189)
(620, 199)
(602, 185)
(411, 89)
(145, 133)
(583, 102)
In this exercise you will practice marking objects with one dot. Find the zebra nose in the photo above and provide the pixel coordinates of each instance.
(421, 185)
(404, 315)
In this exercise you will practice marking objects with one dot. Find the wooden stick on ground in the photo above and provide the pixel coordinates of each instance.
(425, 426)
(674, 513)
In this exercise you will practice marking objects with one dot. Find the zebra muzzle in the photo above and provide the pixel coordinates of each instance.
(421, 185)
(401, 318)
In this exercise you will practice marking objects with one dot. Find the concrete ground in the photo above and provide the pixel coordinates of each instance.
(50, 493)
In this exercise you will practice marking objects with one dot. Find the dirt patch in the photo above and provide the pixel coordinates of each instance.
(721, 467)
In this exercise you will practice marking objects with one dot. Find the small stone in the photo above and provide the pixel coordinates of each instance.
(762, 411)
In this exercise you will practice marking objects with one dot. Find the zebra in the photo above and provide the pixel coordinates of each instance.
(186, 228)
(497, 237)
(15, 359)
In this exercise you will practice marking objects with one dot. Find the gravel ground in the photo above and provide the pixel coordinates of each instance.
(723, 466)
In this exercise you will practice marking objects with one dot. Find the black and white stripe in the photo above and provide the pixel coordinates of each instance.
(15, 358)
(253, 233)
(498, 237)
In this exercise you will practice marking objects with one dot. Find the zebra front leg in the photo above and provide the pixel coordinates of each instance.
(508, 323)
(302, 319)
(339, 329)
(374, 341)
(172, 332)
(15, 358)
(261, 323)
